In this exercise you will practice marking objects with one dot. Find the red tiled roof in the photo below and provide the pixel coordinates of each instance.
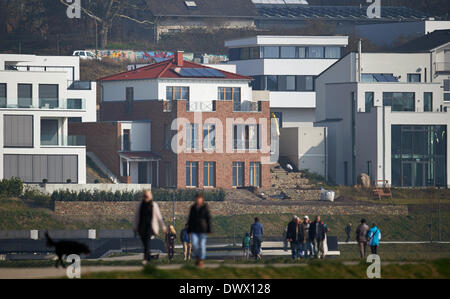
(165, 69)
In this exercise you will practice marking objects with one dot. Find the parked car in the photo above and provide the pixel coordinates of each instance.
(87, 55)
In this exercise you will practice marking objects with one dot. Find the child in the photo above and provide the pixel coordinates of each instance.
(246, 246)
(170, 241)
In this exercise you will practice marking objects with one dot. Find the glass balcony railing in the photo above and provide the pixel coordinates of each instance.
(70, 140)
(79, 85)
(26, 103)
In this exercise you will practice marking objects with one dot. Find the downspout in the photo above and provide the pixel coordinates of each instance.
(359, 60)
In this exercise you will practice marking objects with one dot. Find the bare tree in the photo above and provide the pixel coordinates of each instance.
(104, 12)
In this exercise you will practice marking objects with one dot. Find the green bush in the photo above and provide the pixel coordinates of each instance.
(11, 188)
(158, 194)
(37, 197)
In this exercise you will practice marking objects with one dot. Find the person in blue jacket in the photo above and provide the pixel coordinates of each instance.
(374, 236)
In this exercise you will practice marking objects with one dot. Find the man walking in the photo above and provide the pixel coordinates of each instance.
(186, 240)
(256, 232)
(348, 231)
(306, 243)
(361, 237)
(294, 233)
(317, 237)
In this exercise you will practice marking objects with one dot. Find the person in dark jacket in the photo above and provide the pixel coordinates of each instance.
(348, 231)
(317, 232)
(256, 233)
(185, 238)
(295, 237)
(199, 226)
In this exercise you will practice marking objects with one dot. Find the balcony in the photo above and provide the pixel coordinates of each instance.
(65, 141)
(44, 104)
(442, 67)
(200, 106)
(247, 106)
(79, 85)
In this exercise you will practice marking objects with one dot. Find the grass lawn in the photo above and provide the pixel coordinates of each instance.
(317, 269)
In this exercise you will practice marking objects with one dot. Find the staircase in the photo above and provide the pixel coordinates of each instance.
(291, 184)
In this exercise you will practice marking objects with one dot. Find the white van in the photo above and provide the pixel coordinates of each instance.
(87, 55)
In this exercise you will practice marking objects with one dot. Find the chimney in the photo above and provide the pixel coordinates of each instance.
(179, 58)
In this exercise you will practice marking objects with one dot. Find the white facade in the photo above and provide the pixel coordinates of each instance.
(292, 103)
(367, 141)
(386, 34)
(39, 96)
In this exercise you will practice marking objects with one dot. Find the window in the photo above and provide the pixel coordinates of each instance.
(333, 52)
(272, 83)
(48, 96)
(18, 130)
(254, 53)
(3, 102)
(209, 174)
(246, 137)
(301, 52)
(305, 83)
(124, 169)
(229, 94)
(191, 174)
(400, 101)
(74, 104)
(369, 101)
(209, 136)
(447, 90)
(126, 140)
(175, 93)
(244, 54)
(24, 95)
(191, 136)
(315, 52)
(427, 101)
(167, 136)
(169, 174)
(271, 52)
(286, 83)
(288, 52)
(413, 78)
(238, 174)
(255, 174)
(49, 132)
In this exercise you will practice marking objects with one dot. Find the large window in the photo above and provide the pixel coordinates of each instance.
(428, 101)
(316, 52)
(48, 96)
(229, 94)
(413, 78)
(333, 52)
(284, 83)
(25, 95)
(175, 93)
(209, 136)
(246, 137)
(255, 174)
(238, 174)
(49, 132)
(447, 90)
(271, 52)
(369, 101)
(126, 140)
(288, 52)
(419, 155)
(192, 136)
(191, 174)
(3, 102)
(209, 174)
(400, 101)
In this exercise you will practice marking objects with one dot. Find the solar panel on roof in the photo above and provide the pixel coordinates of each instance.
(200, 72)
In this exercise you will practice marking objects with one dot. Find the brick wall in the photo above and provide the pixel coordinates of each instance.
(127, 209)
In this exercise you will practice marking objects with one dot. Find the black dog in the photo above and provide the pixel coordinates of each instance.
(66, 248)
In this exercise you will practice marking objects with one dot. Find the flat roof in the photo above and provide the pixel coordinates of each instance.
(259, 40)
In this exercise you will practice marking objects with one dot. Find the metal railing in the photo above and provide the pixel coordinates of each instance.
(45, 104)
(247, 106)
(200, 106)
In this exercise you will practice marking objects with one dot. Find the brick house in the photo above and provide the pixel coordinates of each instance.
(184, 125)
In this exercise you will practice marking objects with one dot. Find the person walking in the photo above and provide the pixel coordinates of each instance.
(256, 233)
(374, 236)
(147, 222)
(317, 232)
(293, 237)
(199, 226)
(361, 237)
(246, 246)
(306, 243)
(348, 231)
(170, 241)
(186, 240)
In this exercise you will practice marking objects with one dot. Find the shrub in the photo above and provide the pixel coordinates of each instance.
(158, 194)
(11, 188)
(37, 197)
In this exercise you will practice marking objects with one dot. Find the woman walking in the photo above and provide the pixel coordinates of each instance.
(199, 226)
(147, 222)
(170, 241)
(374, 236)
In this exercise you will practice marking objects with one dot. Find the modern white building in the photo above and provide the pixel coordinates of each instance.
(39, 96)
(385, 117)
(287, 67)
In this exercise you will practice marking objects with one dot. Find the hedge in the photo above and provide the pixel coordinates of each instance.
(158, 195)
(11, 188)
